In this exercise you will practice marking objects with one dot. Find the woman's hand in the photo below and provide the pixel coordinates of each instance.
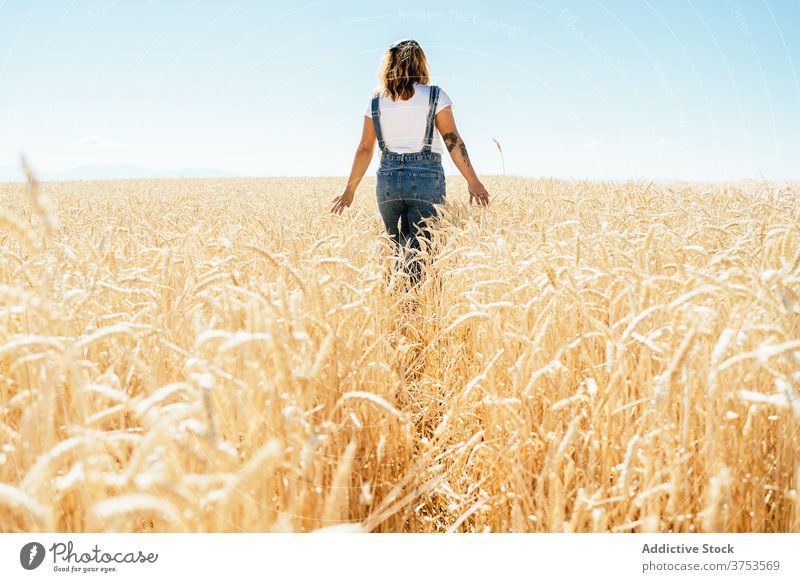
(478, 193)
(360, 164)
(446, 124)
(341, 202)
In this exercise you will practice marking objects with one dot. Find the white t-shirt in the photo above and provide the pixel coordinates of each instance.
(403, 122)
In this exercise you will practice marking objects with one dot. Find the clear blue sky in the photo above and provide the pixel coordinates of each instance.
(687, 89)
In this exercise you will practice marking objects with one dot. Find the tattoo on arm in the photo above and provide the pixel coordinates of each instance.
(452, 140)
(464, 153)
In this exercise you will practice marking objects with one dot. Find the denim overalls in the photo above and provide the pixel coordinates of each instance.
(408, 187)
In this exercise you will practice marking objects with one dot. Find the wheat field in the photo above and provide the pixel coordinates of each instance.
(227, 356)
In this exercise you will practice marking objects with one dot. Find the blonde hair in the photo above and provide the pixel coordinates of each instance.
(402, 66)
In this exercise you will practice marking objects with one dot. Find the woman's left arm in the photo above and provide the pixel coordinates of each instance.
(366, 147)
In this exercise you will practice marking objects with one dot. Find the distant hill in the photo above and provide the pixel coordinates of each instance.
(114, 172)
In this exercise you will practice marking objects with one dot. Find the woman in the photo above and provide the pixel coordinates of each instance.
(401, 116)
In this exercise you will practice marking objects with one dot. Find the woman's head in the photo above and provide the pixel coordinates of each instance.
(403, 65)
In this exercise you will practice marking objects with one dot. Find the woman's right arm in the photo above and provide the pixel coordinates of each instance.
(446, 124)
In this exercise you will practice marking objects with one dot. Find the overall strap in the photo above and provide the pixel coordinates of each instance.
(426, 144)
(376, 114)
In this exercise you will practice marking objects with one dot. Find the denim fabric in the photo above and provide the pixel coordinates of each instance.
(409, 186)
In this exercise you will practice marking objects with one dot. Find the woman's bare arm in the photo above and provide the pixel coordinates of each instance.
(446, 124)
(364, 151)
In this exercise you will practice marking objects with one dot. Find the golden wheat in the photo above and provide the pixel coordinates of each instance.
(225, 355)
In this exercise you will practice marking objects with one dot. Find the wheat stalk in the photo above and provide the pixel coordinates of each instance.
(223, 356)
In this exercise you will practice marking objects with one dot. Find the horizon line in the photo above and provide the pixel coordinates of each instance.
(243, 176)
